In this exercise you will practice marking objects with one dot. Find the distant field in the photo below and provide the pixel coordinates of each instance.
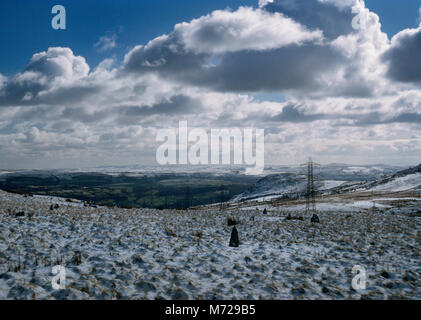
(166, 191)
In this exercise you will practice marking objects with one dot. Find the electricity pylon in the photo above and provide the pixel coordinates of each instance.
(311, 190)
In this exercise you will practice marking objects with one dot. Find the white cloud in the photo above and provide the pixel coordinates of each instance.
(106, 43)
(3, 81)
(251, 50)
(59, 62)
(402, 58)
(55, 68)
(262, 3)
(244, 29)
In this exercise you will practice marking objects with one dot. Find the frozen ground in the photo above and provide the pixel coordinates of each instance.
(404, 183)
(149, 254)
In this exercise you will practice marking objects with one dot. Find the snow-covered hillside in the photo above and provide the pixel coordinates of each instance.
(112, 253)
(273, 185)
(333, 180)
(404, 180)
(408, 182)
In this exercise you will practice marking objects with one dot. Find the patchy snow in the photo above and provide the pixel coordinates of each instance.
(357, 169)
(397, 199)
(5, 172)
(404, 183)
(368, 204)
(150, 254)
(59, 201)
(333, 207)
(329, 184)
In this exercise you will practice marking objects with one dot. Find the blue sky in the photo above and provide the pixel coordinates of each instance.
(25, 25)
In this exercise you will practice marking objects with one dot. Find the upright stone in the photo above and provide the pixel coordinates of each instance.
(265, 211)
(315, 218)
(234, 241)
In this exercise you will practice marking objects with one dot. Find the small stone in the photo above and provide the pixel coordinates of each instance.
(315, 218)
(145, 286)
(77, 258)
(408, 277)
(385, 274)
(325, 290)
(180, 295)
(19, 214)
(137, 259)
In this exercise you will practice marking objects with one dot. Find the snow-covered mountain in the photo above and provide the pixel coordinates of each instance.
(334, 178)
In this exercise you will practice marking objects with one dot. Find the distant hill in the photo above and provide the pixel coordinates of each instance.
(403, 180)
(330, 177)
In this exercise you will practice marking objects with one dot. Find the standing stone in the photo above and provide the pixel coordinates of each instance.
(265, 211)
(315, 218)
(234, 241)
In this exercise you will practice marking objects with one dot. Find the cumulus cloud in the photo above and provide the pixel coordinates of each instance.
(192, 52)
(58, 63)
(244, 29)
(247, 50)
(293, 68)
(240, 65)
(342, 112)
(333, 17)
(56, 67)
(3, 80)
(404, 62)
